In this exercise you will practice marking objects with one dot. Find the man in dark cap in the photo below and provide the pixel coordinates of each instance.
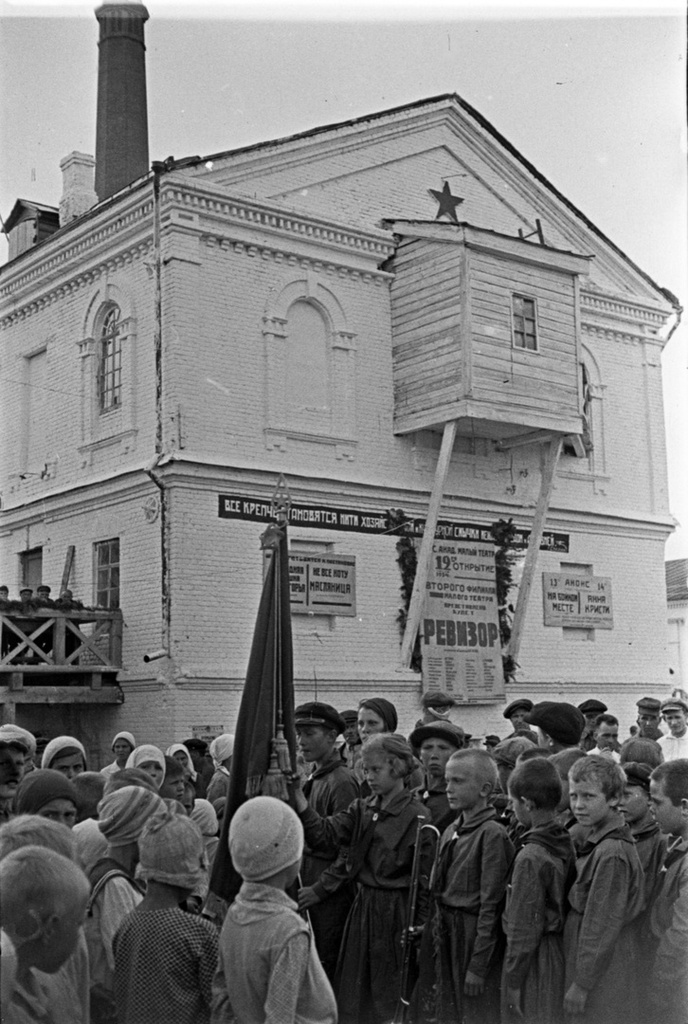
(14, 750)
(326, 893)
(491, 741)
(203, 765)
(649, 710)
(351, 748)
(436, 742)
(515, 713)
(560, 724)
(591, 710)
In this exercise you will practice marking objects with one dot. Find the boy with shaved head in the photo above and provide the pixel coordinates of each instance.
(460, 956)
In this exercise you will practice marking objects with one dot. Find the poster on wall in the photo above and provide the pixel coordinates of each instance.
(460, 642)
(322, 584)
(581, 601)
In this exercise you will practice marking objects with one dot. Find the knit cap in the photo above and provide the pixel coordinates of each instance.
(265, 836)
(62, 746)
(171, 850)
(122, 814)
(41, 786)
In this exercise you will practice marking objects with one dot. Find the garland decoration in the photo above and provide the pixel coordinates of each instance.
(503, 532)
(399, 524)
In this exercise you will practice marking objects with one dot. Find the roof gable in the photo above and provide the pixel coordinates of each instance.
(380, 167)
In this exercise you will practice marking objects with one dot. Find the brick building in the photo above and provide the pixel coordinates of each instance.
(172, 349)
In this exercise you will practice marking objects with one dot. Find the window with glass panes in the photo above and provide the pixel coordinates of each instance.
(524, 322)
(110, 362)
(106, 558)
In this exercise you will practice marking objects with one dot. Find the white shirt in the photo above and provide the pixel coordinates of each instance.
(674, 746)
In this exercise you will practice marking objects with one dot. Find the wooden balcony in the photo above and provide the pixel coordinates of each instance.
(51, 656)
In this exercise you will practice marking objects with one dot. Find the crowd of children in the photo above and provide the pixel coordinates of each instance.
(422, 880)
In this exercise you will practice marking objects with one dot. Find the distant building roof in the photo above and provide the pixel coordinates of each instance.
(677, 579)
(24, 207)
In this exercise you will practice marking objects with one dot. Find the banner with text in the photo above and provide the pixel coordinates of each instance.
(322, 584)
(580, 601)
(459, 630)
(327, 517)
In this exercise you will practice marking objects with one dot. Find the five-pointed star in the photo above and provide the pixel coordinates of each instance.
(447, 201)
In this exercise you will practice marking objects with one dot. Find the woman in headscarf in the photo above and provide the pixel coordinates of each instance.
(49, 794)
(221, 750)
(204, 815)
(150, 760)
(179, 752)
(377, 715)
(122, 746)
(65, 754)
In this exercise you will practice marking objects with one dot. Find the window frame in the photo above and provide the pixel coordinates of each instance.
(109, 366)
(110, 567)
(519, 296)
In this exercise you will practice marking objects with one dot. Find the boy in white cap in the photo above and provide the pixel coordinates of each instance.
(165, 959)
(269, 968)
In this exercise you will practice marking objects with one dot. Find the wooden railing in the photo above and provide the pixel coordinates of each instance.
(49, 641)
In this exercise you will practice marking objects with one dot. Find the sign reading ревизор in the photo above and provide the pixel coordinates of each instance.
(580, 601)
(461, 647)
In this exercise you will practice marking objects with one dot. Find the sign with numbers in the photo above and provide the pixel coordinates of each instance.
(570, 599)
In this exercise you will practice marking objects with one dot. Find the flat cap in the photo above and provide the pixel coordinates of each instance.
(491, 740)
(675, 704)
(314, 712)
(350, 716)
(453, 734)
(638, 774)
(196, 744)
(522, 704)
(562, 721)
(592, 707)
(649, 704)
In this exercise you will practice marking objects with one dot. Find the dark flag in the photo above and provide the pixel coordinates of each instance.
(265, 735)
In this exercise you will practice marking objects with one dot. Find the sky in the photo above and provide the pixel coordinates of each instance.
(594, 97)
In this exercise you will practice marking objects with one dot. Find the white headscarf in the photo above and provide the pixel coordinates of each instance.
(174, 749)
(205, 816)
(221, 748)
(57, 746)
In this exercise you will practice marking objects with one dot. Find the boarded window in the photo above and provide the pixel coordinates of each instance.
(38, 419)
(110, 362)
(524, 322)
(307, 377)
(106, 572)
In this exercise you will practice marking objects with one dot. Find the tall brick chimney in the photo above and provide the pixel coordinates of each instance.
(122, 119)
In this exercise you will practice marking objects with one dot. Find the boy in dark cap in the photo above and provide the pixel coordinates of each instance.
(591, 710)
(491, 741)
(436, 705)
(515, 713)
(436, 742)
(327, 893)
(560, 724)
(648, 718)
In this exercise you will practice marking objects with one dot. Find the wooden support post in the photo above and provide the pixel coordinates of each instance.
(537, 530)
(69, 559)
(425, 554)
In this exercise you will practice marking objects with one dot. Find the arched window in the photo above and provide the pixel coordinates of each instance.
(307, 382)
(109, 375)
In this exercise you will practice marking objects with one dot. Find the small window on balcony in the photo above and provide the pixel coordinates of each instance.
(106, 572)
(524, 321)
(110, 362)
